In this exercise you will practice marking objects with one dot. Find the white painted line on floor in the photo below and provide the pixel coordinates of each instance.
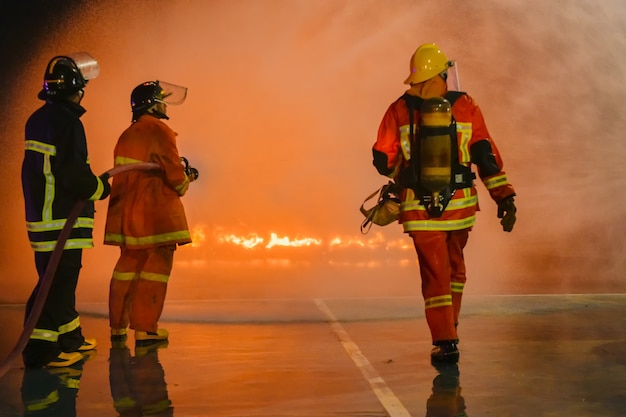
(387, 398)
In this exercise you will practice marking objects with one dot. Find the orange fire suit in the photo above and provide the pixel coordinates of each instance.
(439, 242)
(147, 220)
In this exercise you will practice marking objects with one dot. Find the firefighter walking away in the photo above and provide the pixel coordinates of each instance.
(429, 141)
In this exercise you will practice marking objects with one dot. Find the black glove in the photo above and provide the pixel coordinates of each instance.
(192, 173)
(107, 187)
(506, 212)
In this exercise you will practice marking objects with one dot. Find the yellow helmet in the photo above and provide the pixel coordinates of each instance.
(426, 62)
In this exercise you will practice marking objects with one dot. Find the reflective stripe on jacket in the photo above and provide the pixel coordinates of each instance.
(145, 209)
(56, 174)
(392, 148)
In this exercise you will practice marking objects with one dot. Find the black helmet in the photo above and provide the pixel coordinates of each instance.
(67, 74)
(146, 95)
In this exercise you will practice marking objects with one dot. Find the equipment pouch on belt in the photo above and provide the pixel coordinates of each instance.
(386, 210)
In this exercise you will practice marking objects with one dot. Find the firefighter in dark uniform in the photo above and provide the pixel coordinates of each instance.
(55, 176)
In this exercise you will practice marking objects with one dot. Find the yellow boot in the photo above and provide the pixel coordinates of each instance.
(89, 344)
(65, 359)
(160, 334)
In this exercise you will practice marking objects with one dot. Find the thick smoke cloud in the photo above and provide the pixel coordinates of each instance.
(285, 97)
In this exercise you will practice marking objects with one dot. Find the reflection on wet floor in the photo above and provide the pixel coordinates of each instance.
(138, 384)
(520, 356)
(446, 399)
(51, 392)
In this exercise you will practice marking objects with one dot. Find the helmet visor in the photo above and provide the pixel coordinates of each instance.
(87, 65)
(452, 78)
(171, 93)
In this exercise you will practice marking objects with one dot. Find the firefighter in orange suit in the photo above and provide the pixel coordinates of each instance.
(146, 217)
(439, 221)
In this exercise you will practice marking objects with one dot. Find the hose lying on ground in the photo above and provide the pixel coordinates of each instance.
(46, 281)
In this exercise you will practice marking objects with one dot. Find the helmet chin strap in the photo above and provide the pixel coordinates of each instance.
(158, 114)
(77, 97)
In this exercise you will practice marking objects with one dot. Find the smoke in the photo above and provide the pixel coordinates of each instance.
(285, 97)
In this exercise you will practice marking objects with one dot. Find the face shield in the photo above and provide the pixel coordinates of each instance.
(86, 64)
(452, 77)
(171, 94)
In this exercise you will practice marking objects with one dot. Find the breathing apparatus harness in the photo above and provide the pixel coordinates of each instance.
(434, 191)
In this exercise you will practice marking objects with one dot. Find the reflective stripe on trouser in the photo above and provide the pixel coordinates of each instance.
(138, 287)
(58, 327)
(442, 270)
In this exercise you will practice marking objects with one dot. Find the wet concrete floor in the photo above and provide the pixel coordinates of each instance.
(523, 355)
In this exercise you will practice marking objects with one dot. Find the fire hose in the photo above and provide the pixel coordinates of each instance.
(46, 281)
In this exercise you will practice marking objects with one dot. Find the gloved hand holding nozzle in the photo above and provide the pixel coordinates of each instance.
(191, 172)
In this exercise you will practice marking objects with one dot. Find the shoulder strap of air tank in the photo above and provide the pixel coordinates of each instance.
(466, 175)
(416, 102)
(412, 102)
(453, 96)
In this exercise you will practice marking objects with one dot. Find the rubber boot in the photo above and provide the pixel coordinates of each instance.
(65, 359)
(89, 344)
(118, 335)
(445, 351)
(142, 337)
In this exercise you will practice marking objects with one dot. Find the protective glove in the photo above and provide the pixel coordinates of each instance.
(506, 212)
(107, 187)
(192, 173)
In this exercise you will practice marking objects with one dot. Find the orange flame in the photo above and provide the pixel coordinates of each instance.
(197, 236)
(254, 240)
(247, 242)
(285, 241)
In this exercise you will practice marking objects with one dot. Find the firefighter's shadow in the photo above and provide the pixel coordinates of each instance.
(137, 382)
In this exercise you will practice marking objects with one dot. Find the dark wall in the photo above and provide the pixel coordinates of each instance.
(22, 25)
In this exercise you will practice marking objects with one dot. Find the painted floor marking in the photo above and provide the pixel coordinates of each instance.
(387, 398)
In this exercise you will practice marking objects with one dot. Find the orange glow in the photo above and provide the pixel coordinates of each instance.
(197, 236)
(274, 240)
(253, 240)
(282, 112)
(271, 251)
(377, 241)
(247, 242)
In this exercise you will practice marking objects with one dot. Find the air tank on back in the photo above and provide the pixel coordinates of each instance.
(435, 146)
